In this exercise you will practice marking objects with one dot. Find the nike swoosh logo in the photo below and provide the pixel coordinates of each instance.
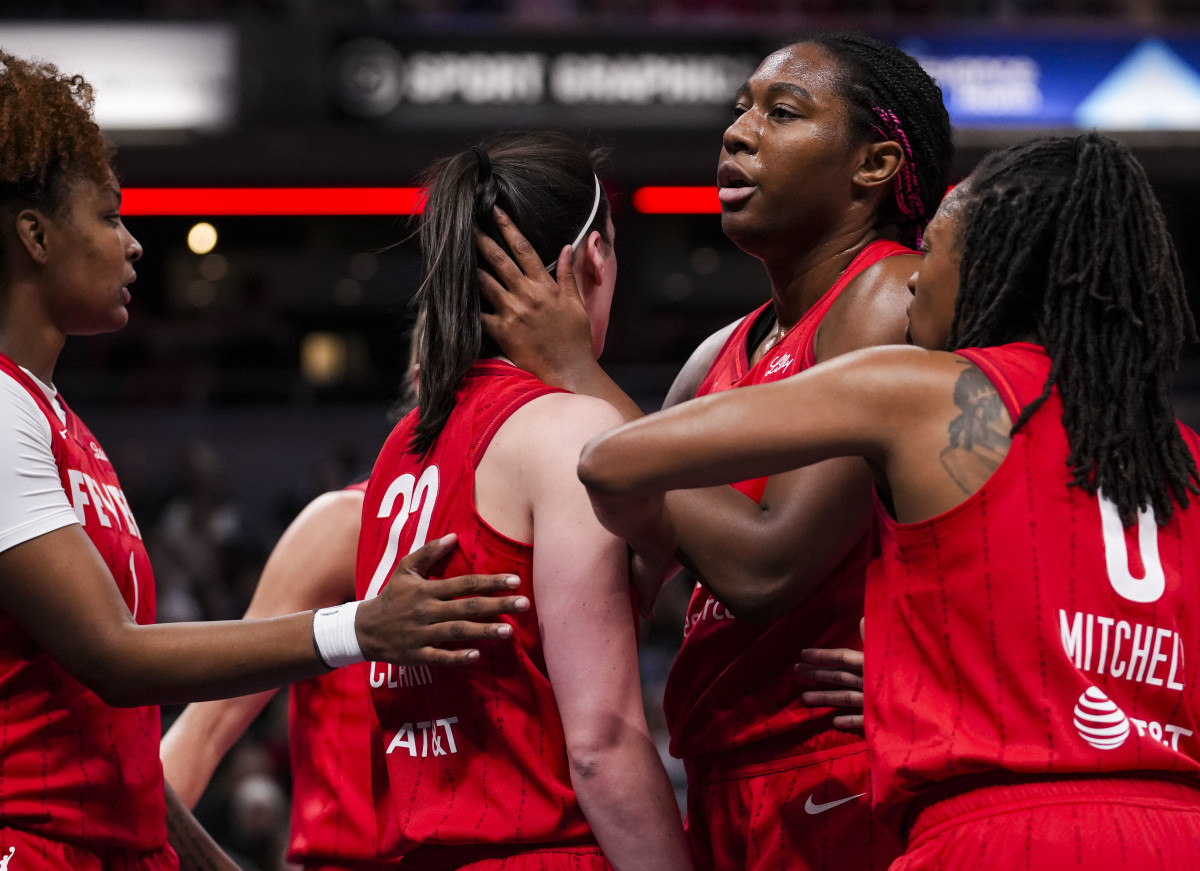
(63, 433)
(812, 807)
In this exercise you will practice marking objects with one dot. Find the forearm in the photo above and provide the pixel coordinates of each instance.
(196, 849)
(759, 557)
(629, 803)
(755, 564)
(201, 736)
(741, 555)
(186, 662)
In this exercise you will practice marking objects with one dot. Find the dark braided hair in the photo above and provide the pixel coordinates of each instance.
(1064, 243)
(544, 181)
(890, 97)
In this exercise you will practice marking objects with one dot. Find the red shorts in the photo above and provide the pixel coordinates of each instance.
(550, 860)
(20, 849)
(1098, 824)
(537, 858)
(807, 812)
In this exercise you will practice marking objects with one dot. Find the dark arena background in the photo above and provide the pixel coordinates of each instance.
(270, 150)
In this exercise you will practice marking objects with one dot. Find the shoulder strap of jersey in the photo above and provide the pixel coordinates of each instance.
(1013, 377)
(527, 389)
(733, 352)
(878, 250)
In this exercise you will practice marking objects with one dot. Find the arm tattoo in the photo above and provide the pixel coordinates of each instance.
(977, 440)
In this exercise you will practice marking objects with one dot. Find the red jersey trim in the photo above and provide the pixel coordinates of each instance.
(732, 363)
(999, 380)
(513, 546)
(880, 249)
(500, 367)
(1000, 479)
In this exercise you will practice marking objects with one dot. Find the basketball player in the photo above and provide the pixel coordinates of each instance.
(835, 142)
(312, 566)
(541, 758)
(1032, 622)
(81, 663)
(333, 820)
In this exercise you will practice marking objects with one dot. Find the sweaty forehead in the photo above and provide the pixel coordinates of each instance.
(951, 211)
(805, 64)
(945, 230)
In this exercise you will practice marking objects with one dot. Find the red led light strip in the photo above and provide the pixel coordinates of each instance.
(271, 201)
(677, 200)
(199, 202)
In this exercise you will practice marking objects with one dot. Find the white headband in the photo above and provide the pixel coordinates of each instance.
(591, 217)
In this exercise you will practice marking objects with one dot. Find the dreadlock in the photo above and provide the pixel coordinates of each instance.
(890, 97)
(1064, 241)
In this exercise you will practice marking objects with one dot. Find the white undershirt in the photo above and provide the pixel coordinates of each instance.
(32, 499)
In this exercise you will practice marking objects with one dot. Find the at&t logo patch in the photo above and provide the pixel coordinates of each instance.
(1099, 721)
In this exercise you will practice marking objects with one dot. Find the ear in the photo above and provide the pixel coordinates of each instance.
(31, 234)
(881, 161)
(595, 258)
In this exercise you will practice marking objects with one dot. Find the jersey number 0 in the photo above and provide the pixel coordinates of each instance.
(1149, 587)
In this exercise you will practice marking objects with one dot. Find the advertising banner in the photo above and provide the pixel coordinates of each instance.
(1074, 81)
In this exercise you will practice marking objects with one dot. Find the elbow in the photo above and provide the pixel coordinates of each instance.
(588, 753)
(596, 749)
(758, 596)
(586, 766)
(596, 469)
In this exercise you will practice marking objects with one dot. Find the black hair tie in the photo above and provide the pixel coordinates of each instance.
(484, 163)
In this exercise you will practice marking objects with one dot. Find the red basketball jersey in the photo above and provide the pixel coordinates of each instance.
(1024, 631)
(71, 767)
(474, 755)
(333, 812)
(732, 684)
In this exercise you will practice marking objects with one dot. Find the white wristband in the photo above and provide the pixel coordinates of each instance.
(334, 635)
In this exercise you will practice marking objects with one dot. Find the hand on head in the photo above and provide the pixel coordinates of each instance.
(540, 321)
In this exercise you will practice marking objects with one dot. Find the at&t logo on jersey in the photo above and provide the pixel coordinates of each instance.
(1099, 721)
(1106, 727)
(436, 738)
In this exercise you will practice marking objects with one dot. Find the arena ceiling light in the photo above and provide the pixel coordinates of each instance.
(271, 201)
(147, 77)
